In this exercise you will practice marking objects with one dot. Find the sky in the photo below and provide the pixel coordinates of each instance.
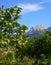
(34, 12)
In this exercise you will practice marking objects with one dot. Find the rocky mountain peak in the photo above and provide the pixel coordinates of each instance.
(38, 28)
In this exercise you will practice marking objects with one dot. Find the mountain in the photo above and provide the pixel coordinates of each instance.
(49, 28)
(37, 30)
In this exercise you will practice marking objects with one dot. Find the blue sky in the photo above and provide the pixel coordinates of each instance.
(34, 12)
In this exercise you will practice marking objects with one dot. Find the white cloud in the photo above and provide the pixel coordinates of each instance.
(30, 7)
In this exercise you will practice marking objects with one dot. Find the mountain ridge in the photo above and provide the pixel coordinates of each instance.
(37, 30)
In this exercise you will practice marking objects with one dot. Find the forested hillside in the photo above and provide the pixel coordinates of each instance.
(15, 46)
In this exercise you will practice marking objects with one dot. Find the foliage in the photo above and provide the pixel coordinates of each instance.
(40, 48)
(12, 34)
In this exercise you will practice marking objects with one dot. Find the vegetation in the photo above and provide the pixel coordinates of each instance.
(15, 46)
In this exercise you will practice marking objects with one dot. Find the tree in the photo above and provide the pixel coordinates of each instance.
(12, 34)
(41, 47)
